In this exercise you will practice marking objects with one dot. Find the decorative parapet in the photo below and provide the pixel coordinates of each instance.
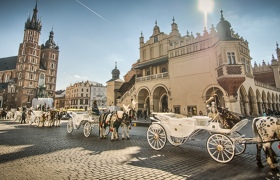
(267, 86)
(151, 77)
(230, 70)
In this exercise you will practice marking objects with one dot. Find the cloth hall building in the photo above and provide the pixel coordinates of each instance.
(179, 73)
(32, 72)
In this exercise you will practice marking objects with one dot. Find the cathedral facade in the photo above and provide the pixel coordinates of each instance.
(32, 73)
(179, 73)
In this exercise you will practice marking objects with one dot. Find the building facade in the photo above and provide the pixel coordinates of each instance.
(179, 73)
(59, 101)
(81, 95)
(33, 72)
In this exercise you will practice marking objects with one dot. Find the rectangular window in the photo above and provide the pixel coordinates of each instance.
(231, 58)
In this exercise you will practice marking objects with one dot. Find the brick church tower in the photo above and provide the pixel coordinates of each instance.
(33, 72)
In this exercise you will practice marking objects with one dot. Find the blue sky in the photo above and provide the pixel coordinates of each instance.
(93, 38)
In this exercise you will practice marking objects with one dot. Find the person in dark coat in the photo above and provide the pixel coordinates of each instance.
(95, 109)
(23, 116)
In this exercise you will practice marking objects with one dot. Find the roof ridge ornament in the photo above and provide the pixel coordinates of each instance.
(222, 16)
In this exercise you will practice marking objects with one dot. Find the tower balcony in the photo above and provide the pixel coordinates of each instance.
(230, 77)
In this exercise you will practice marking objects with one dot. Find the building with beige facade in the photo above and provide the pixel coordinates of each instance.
(81, 95)
(179, 73)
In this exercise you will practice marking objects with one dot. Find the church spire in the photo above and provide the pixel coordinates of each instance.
(115, 72)
(34, 23)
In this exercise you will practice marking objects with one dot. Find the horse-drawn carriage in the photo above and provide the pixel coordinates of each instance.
(83, 118)
(222, 144)
(224, 141)
(106, 122)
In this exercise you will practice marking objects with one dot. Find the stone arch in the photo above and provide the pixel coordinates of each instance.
(273, 101)
(163, 103)
(269, 102)
(253, 110)
(210, 91)
(277, 102)
(264, 100)
(143, 98)
(259, 101)
(243, 97)
(159, 93)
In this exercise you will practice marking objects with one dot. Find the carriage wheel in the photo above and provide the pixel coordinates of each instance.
(176, 141)
(156, 136)
(70, 126)
(239, 148)
(220, 148)
(87, 129)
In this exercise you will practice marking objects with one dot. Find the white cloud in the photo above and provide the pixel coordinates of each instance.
(80, 77)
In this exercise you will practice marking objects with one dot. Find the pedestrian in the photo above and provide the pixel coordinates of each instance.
(23, 115)
(200, 113)
(145, 114)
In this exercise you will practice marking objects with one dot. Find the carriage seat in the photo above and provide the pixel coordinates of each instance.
(202, 120)
(176, 119)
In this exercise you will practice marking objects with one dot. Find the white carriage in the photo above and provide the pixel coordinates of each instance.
(222, 144)
(85, 119)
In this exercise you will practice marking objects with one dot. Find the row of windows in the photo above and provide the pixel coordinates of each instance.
(163, 70)
(53, 56)
(231, 59)
(31, 60)
(76, 90)
(247, 65)
(6, 78)
(82, 101)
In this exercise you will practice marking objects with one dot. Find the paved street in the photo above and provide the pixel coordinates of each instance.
(28, 152)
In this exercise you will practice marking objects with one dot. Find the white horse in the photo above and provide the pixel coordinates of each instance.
(10, 115)
(267, 130)
(126, 123)
(41, 117)
(116, 121)
(17, 116)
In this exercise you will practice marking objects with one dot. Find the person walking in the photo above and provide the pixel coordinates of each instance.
(23, 116)
(145, 114)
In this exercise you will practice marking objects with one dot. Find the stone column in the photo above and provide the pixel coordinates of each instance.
(255, 111)
(151, 104)
(260, 108)
(247, 107)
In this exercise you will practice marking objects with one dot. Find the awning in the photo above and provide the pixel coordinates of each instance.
(155, 62)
